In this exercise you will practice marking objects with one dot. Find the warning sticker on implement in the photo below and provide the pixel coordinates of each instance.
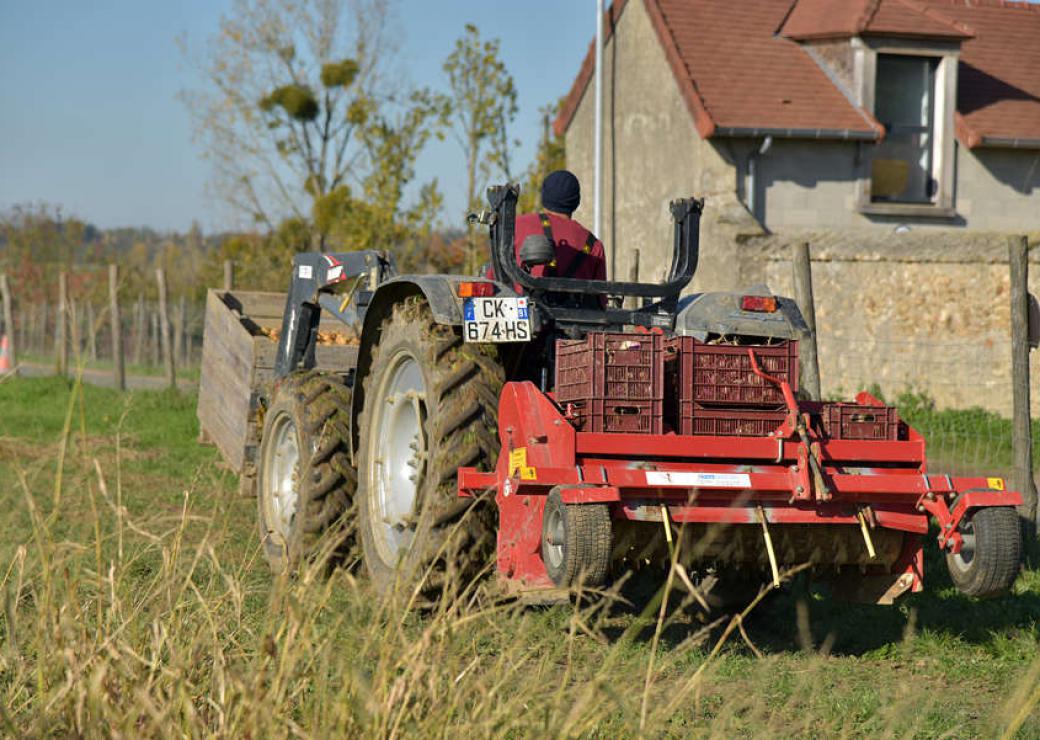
(518, 465)
(699, 480)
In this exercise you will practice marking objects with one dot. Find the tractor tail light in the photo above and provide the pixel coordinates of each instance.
(475, 290)
(758, 303)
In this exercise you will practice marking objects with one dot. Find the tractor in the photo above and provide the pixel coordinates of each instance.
(573, 430)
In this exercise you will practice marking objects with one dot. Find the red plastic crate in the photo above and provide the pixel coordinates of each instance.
(610, 366)
(721, 375)
(728, 423)
(856, 421)
(616, 415)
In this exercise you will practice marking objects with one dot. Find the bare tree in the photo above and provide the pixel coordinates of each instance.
(289, 84)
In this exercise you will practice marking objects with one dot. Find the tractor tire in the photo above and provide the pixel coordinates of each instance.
(430, 407)
(576, 542)
(989, 559)
(305, 481)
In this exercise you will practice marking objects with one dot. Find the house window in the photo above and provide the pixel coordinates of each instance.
(903, 166)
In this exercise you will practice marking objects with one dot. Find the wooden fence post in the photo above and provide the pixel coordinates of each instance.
(118, 366)
(41, 339)
(72, 321)
(24, 317)
(229, 275)
(633, 277)
(61, 320)
(164, 329)
(809, 361)
(153, 339)
(92, 332)
(5, 296)
(1021, 429)
(34, 321)
(178, 331)
(140, 330)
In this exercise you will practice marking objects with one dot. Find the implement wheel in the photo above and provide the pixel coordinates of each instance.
(305, 481)
(431, 407)
(576, 542)
(989, 558)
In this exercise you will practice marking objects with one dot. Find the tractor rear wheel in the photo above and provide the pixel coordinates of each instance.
(305, 480)
(430, 407)
(576, 542)
(991, 553)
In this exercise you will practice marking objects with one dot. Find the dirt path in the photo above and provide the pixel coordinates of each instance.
(104, 378)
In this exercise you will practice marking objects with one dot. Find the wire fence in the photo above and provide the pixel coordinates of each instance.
(958, 395)
(89, 335)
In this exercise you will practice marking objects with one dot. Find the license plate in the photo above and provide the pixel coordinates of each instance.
(503, 319)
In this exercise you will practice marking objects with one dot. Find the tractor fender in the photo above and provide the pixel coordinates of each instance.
(704, 314)
(439, 292)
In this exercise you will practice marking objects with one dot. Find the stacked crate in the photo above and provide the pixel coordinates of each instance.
(612, 382)
(618, 383)
(718, 392)
(859, 421)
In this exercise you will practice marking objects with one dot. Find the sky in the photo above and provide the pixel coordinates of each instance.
(90, 118)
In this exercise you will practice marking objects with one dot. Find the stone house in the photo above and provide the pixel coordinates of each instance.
(901, 138)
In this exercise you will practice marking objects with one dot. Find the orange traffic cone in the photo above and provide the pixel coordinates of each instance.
(5, 355)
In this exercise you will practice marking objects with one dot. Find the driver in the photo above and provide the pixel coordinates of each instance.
(579, 254)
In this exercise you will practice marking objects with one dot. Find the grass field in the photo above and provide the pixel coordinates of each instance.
(191, 372)
(136, 603)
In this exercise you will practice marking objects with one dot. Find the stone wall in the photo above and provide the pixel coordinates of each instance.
(908, 312)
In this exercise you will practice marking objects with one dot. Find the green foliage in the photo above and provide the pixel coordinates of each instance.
(970, 441)
(551, 156)
(483, 105)
(350, 223)
(377, 217)
(262, 261)
(339, 74)
(298, 101)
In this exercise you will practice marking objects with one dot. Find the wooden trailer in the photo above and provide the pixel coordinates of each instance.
(238, 353)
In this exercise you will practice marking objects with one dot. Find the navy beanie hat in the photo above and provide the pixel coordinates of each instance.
(561, 192)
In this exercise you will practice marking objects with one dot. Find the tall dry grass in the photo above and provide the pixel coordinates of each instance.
(136, 605)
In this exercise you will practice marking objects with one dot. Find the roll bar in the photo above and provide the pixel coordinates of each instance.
(686, 213)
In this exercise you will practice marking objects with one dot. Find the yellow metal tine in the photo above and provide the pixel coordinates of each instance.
(667, 523)
(769, 546)
(866, 534)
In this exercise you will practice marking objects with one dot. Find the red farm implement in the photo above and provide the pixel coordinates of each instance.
(834, 485)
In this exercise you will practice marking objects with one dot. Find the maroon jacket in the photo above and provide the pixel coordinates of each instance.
(578, 253)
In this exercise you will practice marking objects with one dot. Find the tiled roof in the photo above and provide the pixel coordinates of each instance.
(818, 19)
(738, 76)
(741, 73)
(749, 78)
(998, 94)
(915, 19)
